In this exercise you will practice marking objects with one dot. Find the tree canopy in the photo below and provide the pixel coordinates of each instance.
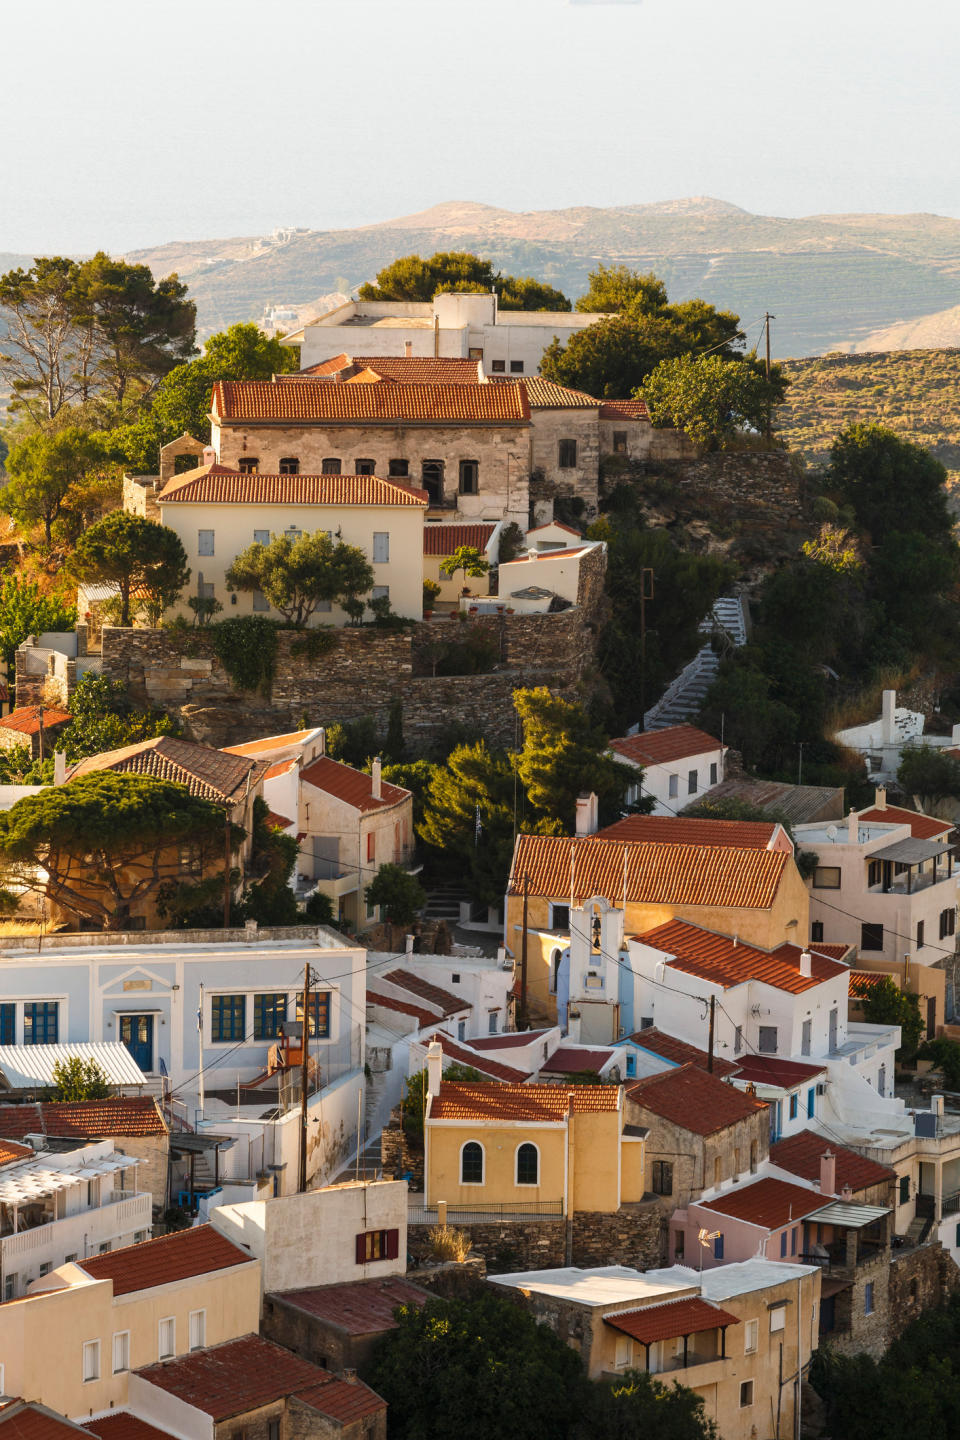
(44, 467)
(103, 718)
(474, 785)
(135, 554)
(101, 844)
(414, 278)
(297, 576)
(399, 894)
(563, 755)
(25, 610)
(709, 398)
(892, 485)
(886, 1004)
(77, 1080)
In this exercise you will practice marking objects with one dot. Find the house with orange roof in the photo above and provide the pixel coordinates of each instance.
(34, 728)
(678, 764)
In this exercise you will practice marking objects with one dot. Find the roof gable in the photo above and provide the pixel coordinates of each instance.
(235, 1377)
(678, 1051)
(179, 1256)
(768, 1203)
(310, 402)
(207, 773)
(728, 962)
(659, 747)
(353, 787)
(801, 1155)
(695, 1100)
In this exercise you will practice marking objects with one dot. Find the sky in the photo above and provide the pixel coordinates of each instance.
(129, 123)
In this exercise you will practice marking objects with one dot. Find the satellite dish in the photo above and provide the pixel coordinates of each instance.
(831, 832)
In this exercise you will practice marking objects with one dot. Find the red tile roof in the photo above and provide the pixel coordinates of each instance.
(207, 773)
(402, 1007)
(280, 767)
(479, 1100)
(445, 539)
(361, 1307)
(351, 786)
(86, 1119)
(566, 1060)
(684, 830)
(680, 1052)
(768, 1203)
(270, 742)
(671, 1320)
(507, 1040)
(655, 874)
(121, 1425)
(28, 1420)
(800, 1154)
(548, 395)
(343, 1400)
(659, 747)
(10, 1151)
(727, 962)
(446, 1003)
(234, 1378)
(624, 410)
(780, 1074)
(863, 981)
(216, 485)
(466, 1055)
(922, 827)
(276, 822)
(26, 720)
(694, 1100)
(306, 401)
(179, 1256)
(406, 370)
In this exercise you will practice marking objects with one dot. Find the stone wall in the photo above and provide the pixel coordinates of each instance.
(631, 1236)
(905, 1283)
(504, 1244)
(398, 1156)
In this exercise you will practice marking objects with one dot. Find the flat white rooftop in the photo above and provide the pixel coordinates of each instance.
(601, 1285)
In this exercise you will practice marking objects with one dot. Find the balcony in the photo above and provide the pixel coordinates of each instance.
(927, 1206)
(81, 1234)
(909, 866)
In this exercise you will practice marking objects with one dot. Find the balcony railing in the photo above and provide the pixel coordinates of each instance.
(126, 1210)
(927, 1205)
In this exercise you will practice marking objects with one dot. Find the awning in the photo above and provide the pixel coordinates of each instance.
(910, 852)
(833, 1287)
(671, 1320)
(185, 1144)
(849, 1217)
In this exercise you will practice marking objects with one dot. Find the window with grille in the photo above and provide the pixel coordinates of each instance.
(469, 477)
(471, 1164)
(228, 1016)
(91, 1360)
(41, 1022)
(377, 1245)
(662, 1178)
(319, 1013)
(269, 1014)
(567, 454)
(330, 465)
(528, 1165)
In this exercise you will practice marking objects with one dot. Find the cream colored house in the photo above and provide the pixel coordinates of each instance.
(219, 512)
(102, 1318)
(532, 584)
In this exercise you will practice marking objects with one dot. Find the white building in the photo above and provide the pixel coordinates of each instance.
(881, 742)
(679, 764)
(457, 325)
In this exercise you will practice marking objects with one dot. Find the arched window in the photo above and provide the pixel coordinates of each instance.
(471, 1163)
(528, 1165)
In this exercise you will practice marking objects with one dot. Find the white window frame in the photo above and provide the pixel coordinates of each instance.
(525, 1184)
(483, 1163)
(197, 1322)
(119, 1337)
(778, 1318)
(90, 1352)
(751, 1337)
(170, 1320)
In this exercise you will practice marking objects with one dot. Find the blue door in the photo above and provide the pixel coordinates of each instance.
(136, 1032)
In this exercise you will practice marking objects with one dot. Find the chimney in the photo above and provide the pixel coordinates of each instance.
(736, 941)
(853, 828)
(587, 814)
(375, 781)
(750, 1089)
(434, 1067)
(409, 949)
(828, 1173)
(349, 1375)
(880, 797)
(936, 1105)
(806, 963)
(408, 349)
(209, 455)
(59, 767)
(888, 718)
(846, 1194)
(573, 1026)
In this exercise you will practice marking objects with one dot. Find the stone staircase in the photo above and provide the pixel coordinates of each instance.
(443, 903)
(726, 628)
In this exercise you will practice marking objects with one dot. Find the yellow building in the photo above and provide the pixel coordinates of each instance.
(755, 894)
(101, 1318)
(556, 1148)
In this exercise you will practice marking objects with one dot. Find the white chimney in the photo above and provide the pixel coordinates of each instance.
(434, 1067)
(888, 717)
(573, 1026)
(408, 349)
(409, 949)
(209, 455)
(828, 1173)
(936, 1105)
(880, 797)
(376, 784)
(806, 963)
(853, 828)
(587, 814)
(59, 767)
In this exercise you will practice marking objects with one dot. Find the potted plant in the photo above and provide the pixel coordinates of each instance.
(468, 559)
(430, 592)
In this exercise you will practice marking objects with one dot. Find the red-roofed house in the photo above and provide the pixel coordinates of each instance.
(687, 830)
(337, 1326)
(805, 1153)
(31, 725)
(679, 764)
(441, 540)
(134, 1124)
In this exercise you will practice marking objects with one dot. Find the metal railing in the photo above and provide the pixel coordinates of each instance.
(477, 1214)
(927, 1205)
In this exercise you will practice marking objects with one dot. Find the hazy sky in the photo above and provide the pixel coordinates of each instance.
(131, 122)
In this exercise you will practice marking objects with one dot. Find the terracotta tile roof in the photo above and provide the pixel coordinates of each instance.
(863, 981)
(171, 1257)
(280, 767)
(718, 958)
(680, 1052)
(405, 370)
(402, 1007)
(685, 830)
(216, 485)
(567, 1061)
(800, 1154)
(271, 742)
(235, 1377)
(351, 786)
(796, 803)
(547, 395)
(343, 1400)
(556, 525)
(445, 539)
(208, 773)
(28, 1420)
(121, 1425)
(86, 1119)
(333, 366)
(834, 949)
(467, 1055)
(306, 401)
(768, 1203)
(445, 1002)
(477, 1100)
(672, 1320)
(659, 747)
(276, 822)
(10, 1151)
(507, 1040)
(624, 410)
(26, 720)
(780, 1074)
(922, 827)
(694, 1100)
(655, 874)
(361, 1307)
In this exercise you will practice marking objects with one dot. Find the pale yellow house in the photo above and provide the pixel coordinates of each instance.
(560, 1148)
(73, 1341)
(219, 512)
(757, 895)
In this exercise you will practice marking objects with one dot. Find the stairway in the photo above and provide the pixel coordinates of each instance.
(443, 903)
(727, 629)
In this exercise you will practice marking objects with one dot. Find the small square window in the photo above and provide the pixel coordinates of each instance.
(289, 465)
(559, 917)
(498, 367)
(619, 442)
(826, 877)
(399, 469)
(746, 1394)
(261, 537)
(364, 467)
(248, 464)
(516, 367)
(380, 592)
(330, 465)
(767, 1044)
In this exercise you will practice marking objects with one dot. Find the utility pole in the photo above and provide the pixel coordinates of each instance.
(226, 869)
(646, 593)
(304, 1052)
(800, 763)
(766, 322)
(713, 1009)
(40, 730)
(523, 956)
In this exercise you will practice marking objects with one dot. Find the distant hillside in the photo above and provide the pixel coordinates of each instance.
(832, 281)
(914, 392)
